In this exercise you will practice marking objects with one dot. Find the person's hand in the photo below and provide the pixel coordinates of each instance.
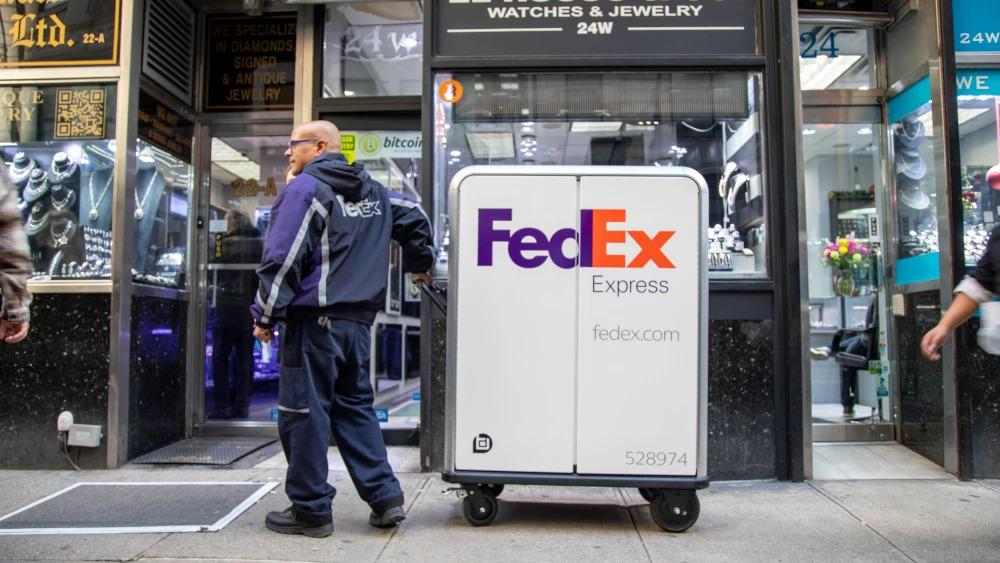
(12, 333)
(263, 334)
(421, 278)
(933, 341)
(289, 176)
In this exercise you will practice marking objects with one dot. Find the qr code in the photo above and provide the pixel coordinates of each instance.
(80, 113)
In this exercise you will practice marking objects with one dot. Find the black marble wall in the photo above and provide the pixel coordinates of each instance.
(741, 403)
(158, 376)
(63, 365)
(979, 389)
(921, 381)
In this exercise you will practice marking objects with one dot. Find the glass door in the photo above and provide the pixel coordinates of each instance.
(246, 174)
(844, 195)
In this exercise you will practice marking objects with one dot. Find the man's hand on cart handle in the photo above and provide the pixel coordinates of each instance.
(421, 278)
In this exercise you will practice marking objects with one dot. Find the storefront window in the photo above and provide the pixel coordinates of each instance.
(58, 149)
(978, 100)
(372, 49)
(162, 193)
(710, 122)
(836, 58)
(913, 141)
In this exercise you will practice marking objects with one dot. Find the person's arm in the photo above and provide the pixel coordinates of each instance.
(15, 267)
(976, 289)
(412, 230)
(288, 239)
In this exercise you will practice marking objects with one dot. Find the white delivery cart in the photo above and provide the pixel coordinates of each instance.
(577, 311)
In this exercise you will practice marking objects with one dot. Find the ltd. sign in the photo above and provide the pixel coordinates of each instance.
(471, 28)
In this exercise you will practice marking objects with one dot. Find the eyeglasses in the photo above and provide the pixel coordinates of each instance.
(293, 142)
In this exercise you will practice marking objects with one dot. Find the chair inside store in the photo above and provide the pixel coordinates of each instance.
(853, 350)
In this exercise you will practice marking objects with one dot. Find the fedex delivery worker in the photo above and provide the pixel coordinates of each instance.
(323, 273)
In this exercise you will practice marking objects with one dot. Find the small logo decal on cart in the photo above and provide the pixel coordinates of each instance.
(482, 444)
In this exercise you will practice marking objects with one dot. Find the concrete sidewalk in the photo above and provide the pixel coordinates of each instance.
(929, 520)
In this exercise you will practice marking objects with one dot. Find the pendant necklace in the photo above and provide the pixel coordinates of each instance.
(62, 239)
(95, 204)
(140, 204)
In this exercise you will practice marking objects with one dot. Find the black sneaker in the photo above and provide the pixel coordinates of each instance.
(290, 521)
(392, 516)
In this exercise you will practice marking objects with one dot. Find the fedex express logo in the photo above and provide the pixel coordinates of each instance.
(530, 247)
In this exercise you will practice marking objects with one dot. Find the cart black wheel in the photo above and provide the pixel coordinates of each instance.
(675, 511)
(479, 509)
(649, 494)
(493, 489)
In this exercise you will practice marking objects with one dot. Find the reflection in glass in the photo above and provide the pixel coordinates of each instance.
(710, 122)
(977, 122)
(372, 49)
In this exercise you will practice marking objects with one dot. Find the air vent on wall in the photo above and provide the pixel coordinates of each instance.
(168, 50)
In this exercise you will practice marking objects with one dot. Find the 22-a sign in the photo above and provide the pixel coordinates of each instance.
(252, 187)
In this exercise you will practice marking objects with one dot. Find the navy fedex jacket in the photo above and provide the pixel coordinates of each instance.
(327, 247)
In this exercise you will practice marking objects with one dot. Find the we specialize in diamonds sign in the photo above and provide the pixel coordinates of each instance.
(491, 28)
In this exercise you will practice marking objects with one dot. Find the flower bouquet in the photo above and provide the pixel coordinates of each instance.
(846, 256)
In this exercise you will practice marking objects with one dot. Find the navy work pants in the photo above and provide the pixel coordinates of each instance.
(324, 388)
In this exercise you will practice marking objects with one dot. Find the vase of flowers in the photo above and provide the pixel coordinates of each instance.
(846, 257)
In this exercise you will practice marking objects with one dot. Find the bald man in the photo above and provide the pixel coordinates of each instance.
(323, 274)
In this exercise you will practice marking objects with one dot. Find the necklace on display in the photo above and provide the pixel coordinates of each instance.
(95, 204)
(35, 224)
(60, 174)
(18, 174)
(62, 239)
(37, 186)
(65, 202)
(141, 203)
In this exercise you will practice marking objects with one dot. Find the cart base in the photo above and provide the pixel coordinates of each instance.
(576, 480)
(673, 501)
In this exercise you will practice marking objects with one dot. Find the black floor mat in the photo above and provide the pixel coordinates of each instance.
(205, 451)
(136, 508)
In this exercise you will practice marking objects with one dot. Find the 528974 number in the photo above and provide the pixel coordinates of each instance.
(655, 458)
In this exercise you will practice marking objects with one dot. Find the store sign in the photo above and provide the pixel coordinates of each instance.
(977, 26)
(165, 128)
(47, 33)
(250, 63)
(372, 145)
(55, 113)
(985, 82)
(491, 28)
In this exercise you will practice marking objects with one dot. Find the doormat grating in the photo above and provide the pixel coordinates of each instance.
(136, 508)
(205, 451)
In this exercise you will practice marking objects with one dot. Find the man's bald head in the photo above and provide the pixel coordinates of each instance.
(321, 131)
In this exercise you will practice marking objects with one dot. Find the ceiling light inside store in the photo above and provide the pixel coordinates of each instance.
(233, 161)
(631, 127)
(491, 145)
(819, 73)
(456, 153)
(348, 92)
(865, 131)
(808, 131)
(595, 126)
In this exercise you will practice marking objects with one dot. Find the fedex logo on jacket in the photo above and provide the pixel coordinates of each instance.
(530, 247)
